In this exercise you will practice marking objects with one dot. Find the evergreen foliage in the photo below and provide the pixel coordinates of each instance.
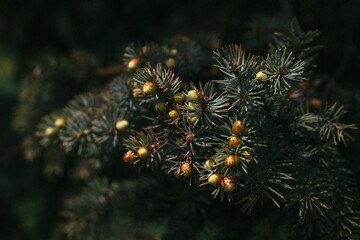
(250, 136)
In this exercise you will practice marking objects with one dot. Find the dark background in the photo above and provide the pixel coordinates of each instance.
(31, 28)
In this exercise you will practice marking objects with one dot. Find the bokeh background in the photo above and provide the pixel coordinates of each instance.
(29, 30)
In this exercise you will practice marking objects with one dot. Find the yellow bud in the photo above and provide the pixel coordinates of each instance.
(134, 63)
(173, 51)
(160, 107)
(121, 125)
(170, 63)
(260, 76)
(192, 106)
(60, 122)
(209, 164)
(192, 120)
(173, 114)
(50, 131)
(193, 95)
(179, 98)
(143, 153)
(148, 88)
(215, 180)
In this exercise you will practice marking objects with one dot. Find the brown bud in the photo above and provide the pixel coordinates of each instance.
(215, 180)
(315, 103)
(228, 184)
(234, 142)
(232, 161)
(186, 169)
(130, 157)
(238, 128)
(83, 173)
(303, 85)
(143, 153)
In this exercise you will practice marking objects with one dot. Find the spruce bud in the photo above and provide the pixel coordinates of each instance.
(130, 157)
(143, 153)
(173, 114)
(60, 122)
(238, 128)
(179, 98)
(214, 180)
(148, 88)
(186, 169)
(192, 120)
(50, 131)
(121, 125)
(234, 142)
(209, 164)
(260, 76)
(170, 63)
(133, 63)
(160, 107)
(228, 184)
(193, 95)
(232, 161)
